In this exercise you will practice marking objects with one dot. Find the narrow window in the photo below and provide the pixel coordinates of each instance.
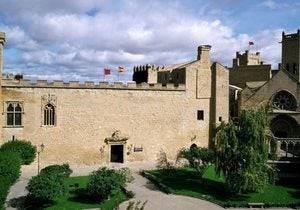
(220, 119)
(287, 67)
(49, 115)
(200, 115)
(14, 114)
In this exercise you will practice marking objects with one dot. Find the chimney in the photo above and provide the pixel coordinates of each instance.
(203, 52)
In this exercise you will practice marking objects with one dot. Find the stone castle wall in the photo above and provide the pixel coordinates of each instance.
(152, 116)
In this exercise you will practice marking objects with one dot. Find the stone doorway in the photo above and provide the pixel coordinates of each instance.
(117, 153)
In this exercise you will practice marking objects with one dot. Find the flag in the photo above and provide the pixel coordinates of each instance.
(106, 71)
(251, 43)
(121, 69)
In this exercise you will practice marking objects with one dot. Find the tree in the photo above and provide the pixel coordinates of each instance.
(199, 158)
(242, 152)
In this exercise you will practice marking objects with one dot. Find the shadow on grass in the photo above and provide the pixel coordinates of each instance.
(80, 196)
(25, 202)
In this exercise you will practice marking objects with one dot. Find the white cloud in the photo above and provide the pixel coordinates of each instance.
(62, 39)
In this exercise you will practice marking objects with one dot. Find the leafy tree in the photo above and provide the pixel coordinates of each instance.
(242, 152)
(199, 158)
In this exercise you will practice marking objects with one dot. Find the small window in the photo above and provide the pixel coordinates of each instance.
(287, 67)
(49, 115)
(220, 119)
(200, 115)
(14, 114)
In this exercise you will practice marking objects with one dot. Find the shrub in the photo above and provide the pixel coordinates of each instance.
(63, 170)
(104, 182)
(25, 149)
(199, 158)
(45, 187)
(4, 188)
(10, 166)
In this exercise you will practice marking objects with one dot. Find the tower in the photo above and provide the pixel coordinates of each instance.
(291, 53)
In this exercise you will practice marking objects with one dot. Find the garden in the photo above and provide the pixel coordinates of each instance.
(53, 188)
(235, 172)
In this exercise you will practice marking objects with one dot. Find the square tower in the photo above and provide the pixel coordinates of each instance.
(291, 53)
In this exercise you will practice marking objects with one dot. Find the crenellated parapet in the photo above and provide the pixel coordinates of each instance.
(9, 81)
(148, 67)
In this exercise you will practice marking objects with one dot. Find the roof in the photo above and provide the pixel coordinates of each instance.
(256, 84)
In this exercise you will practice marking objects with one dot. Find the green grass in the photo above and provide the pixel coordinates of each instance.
(75, 200)
(187, 182)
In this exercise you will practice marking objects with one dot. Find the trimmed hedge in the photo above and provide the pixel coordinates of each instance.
(49, 184)
(63, 170)
(45, 187)
(105, 182)
(25, 149)
(4, 189)
(10, 170)
(10, 166)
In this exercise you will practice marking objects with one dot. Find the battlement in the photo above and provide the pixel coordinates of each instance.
(9, 81)
(291, 36)
(246, 59)
(147, 67)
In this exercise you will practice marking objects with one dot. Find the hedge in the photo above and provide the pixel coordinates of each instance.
(10, 170)
(63, 170)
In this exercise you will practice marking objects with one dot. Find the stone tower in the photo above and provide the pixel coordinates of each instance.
(291, 53)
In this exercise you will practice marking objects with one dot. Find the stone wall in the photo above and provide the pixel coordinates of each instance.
(153, 117)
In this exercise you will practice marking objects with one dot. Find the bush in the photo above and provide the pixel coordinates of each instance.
(199, 158)
(4, 188)
(104, 182)
(10, 166)
(63, 170)
(25, 149)
(45, 187)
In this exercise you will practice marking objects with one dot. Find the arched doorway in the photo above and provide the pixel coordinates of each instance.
(284, 126)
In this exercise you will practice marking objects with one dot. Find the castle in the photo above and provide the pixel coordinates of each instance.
(98, 123)
(164, 108)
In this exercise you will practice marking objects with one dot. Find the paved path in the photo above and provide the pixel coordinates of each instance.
(144, 190)
(157, 200)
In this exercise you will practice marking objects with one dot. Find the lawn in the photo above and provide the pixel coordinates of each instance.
(76, 200)
(187, 182)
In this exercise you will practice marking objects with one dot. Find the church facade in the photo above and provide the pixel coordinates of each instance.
(253, 84)
(164, 109)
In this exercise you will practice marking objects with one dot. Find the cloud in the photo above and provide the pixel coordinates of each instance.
(76, 41)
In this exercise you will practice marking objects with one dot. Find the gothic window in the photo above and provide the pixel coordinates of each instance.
(49, 114)
(14, 114)
(284, 100)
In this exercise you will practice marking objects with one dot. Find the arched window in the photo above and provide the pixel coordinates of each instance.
(49, 114)
(14, 114)
(284, 100)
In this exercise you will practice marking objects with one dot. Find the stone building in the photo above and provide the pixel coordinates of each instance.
(88, 123)
(254, 84)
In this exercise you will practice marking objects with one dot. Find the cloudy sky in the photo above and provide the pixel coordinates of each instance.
(76, 39)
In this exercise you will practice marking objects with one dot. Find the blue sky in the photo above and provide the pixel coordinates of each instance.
(75, 40)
